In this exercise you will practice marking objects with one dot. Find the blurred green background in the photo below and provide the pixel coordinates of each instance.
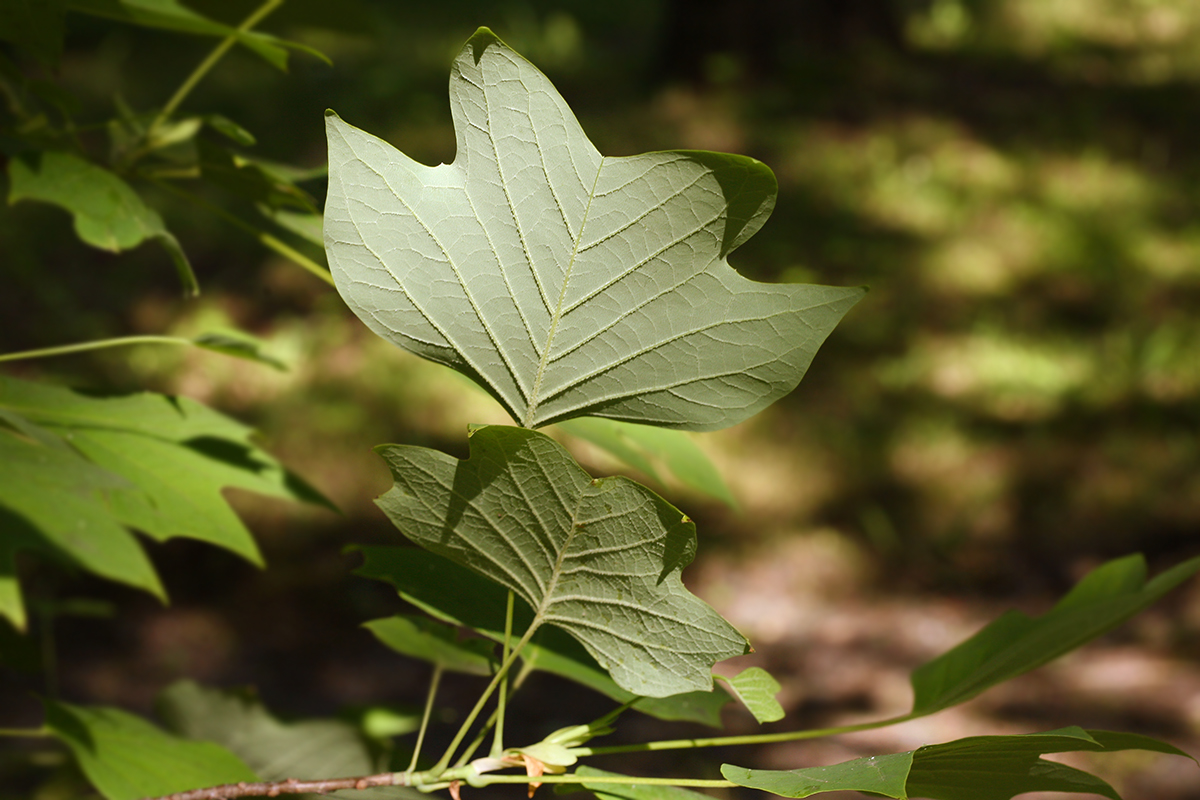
(1016, 399)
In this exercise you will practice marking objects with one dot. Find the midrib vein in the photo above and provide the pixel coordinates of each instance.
(544, 360)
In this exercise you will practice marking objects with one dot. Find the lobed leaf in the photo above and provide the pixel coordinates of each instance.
(125, 757)
(1014, 643)
(108, 213)
(564, 282)
(976, 768)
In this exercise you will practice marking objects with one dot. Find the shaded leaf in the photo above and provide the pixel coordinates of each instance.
(599, 558)
(238, 345)
(434, 642)
(230, 129)
(252, 179)
(108, 213)
(567, 283)
(125, 757)
(172, 15)
(757, 690)
(646, 448)
(459, 596)
(621, 791)
(975, 768)
(1015, 643)
(36, 25)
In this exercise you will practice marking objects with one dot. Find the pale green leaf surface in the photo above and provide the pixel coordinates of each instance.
(51, 503)
(565, 282)
(172, 15)
(1014, 643)
(631, 791)
(306, 750)
(108, 213)
(459, 596)
(757, 690)
(421, 638)
(599, 558)
(647, 449)
(975, 768)
(126, 758)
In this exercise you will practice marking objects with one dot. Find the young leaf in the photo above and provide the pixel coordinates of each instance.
(565, 282)
(646, 448)
(459, 596)
(108, 213)
(174, 16)
(306, 750)
(431, 641)
(1015, 644)
(127, 758)
(598, 558)
(756, 688)
(976, 768)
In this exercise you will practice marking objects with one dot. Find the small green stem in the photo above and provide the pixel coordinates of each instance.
(205, 66)
(98, 344)
(433, 687)
(729, 741)
(266, 239)
(483, 698)
(502, 700)
(25, 733)
(621, 779)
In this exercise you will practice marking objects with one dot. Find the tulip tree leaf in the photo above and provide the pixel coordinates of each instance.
(976, 768)
(126, 757)
(599, 558)
(1015, 643)
(757, 690)
(456, 595)
(108, 213)
(564, 282)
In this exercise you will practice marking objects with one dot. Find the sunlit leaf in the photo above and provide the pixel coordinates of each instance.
(108, 213)
(434, 642)
(126, 758)
(172, 15)
(1015, 643)
(649, 449)
(565, 282)
(976, 768)
(757, 690)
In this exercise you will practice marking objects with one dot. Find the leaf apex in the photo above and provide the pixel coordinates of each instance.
(481, 40)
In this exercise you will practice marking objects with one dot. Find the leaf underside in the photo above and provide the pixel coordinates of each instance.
(565, 282)
(599, 558)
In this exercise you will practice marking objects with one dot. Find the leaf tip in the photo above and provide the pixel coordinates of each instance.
(480, 41)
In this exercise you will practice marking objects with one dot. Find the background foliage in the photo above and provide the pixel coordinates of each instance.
(1016, 399)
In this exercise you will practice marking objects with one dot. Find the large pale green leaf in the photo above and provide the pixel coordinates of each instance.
(600, 558)
(108, 213)
(172, 15)
(125, 757)
(976, 768)
(79, 469)
(565, 282)
(1015, 643)
(305, 750)
(459, 596)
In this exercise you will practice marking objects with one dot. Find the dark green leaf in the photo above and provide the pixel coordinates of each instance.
(230, 129)
(564, 282)
(885, 775)
(630, 791)
(238, 345)
(254, 180)
(434, 642)
(127, 758)
(599, 558)
(1015, 643)
(36, 25)
(646, 448)
(174, 16)
(459, 596)
(108, 213)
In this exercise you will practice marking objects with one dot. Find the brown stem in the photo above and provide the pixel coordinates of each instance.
(289, 786)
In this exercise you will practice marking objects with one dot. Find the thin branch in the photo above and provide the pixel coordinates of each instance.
(97, 344)
(502, 700)
(289, 786)
(433, 687)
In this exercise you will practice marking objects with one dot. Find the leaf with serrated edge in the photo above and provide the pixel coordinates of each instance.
(757, 690)
(975, 768)
(459, 596)
(565, 282)
(599, 558)
(125, 757)
(1014, 643)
